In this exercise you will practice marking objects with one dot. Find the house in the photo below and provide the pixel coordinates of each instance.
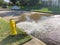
(51, 2)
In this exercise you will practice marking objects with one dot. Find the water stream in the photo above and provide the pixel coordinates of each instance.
(46, 29)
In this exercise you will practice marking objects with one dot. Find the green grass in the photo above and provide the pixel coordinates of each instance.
(38, 8)
(43, 10)
(53, 10)
(7, 39)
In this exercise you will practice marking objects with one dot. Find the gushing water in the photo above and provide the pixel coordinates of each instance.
(27, 17)
(47, 30)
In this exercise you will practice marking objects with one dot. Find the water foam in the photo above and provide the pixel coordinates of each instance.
(46, 30)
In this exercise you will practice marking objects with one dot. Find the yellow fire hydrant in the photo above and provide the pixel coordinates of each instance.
(13, 31)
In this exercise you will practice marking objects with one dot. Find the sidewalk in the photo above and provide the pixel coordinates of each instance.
(35, 41)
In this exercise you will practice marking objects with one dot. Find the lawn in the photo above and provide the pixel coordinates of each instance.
(43, 10)
(54, 9)
(7, 39)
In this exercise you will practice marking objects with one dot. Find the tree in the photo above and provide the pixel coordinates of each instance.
(29, 2)
(13, 1)
(17, 3)
(1, 2)
(25, 2)
(33, 2)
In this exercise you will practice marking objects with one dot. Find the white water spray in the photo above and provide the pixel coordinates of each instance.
(46, 30)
